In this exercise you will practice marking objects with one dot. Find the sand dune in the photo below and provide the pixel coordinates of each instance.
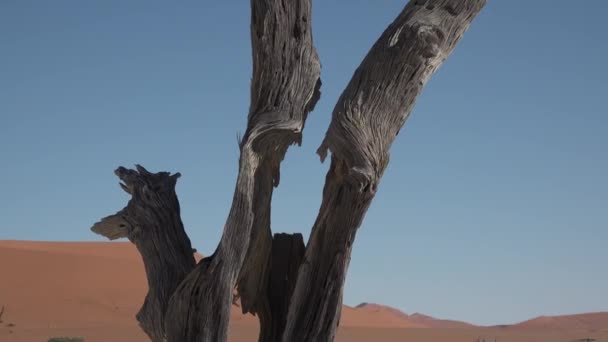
(587, 321)
(94, 289)
(432, 322)
(398, 318)
(375, 316)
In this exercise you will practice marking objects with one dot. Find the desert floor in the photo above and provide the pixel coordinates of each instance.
(93, 290)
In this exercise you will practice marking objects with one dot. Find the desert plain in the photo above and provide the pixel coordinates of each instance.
(94, 289)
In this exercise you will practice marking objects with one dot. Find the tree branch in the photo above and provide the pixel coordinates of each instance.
(368, 116)
(188, 302)
(284, 89)
(151, 220)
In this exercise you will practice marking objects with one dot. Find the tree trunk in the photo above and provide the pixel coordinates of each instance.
(369, 114)
(284, 89)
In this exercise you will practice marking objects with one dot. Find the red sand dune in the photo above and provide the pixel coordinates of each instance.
(587, 321)
(374, 315)
(415, 320)
(94, 289)
(59, 283)
(432, 322)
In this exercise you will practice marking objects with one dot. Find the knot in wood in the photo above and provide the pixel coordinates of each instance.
(430, 38)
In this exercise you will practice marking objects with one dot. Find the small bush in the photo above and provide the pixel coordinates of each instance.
(66, 339)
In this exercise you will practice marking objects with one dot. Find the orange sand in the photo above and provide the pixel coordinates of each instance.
(94, 289)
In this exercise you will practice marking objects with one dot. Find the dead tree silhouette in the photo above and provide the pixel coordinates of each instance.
(294, 289)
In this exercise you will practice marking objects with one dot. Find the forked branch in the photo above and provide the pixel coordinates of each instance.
(296, 291)
(285, 88)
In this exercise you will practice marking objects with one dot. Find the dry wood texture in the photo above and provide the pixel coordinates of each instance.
(151, 220)
(367, 118)
(296, 291)
(285, 88)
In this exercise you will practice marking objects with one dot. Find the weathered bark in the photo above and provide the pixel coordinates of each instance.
(285, 88)
(297, 294)
(151, 220)
(368, 116)
(285, 259)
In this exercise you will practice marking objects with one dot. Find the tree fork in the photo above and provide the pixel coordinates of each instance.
(296, 291)
(285, 88)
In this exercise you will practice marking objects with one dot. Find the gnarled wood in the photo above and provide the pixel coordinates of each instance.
(151, 220)
(296, 293)
(284, 89)
(366, 119)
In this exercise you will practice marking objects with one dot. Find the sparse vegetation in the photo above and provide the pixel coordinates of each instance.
(66, 339)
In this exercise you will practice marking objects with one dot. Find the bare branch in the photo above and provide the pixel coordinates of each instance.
(112, 227)
(188, 302)
(285, 87)
(151, 220)
(369, 114)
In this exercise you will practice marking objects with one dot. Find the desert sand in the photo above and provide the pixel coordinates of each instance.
(94, 289)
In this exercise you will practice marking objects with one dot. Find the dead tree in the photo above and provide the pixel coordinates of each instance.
(295, 290)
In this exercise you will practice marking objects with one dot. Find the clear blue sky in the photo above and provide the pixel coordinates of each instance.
(494, 206)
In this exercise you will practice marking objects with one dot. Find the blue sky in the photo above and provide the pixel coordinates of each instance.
(494, 206)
